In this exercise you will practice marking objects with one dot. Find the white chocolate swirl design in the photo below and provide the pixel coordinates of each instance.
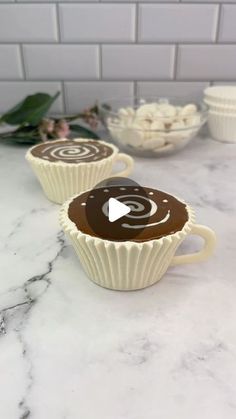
(137, 207)
(72, 152)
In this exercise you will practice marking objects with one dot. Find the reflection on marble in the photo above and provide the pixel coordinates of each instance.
(72, 350)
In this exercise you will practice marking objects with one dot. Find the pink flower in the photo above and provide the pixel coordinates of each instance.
(90, 118)
(47, 126)
(62, 129)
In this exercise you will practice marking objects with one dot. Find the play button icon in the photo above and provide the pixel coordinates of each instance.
(116, 210)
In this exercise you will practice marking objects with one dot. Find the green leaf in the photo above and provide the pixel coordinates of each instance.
(106, 106)
(83, 132)
(31, 110)
(15, 138)
(25, 135)
(21, 140)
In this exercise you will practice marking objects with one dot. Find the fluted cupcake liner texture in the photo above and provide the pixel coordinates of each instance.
(222, 127)
(60, 180)
(221, 95)
(221, 101)
(225, 109)
(124, 265)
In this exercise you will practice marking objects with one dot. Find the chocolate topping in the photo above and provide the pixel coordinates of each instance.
(69, 151)
(154, 214)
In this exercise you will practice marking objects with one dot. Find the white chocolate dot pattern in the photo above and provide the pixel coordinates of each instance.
(137, 203)
(153, 213)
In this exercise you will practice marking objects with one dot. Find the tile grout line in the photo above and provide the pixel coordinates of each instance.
(135, 88)
(63, 94)
(58, 22)
(136, 36)
(100, 62)
(218, 21)
(120, 43)
(74, 2)
(176, 62)
(136, 23)
(22, 61)
(140, 80)
(62, 83)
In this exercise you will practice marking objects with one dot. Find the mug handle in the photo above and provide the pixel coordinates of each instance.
(129, 163)
(210, 241)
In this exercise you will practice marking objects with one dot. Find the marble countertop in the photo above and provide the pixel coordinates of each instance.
(72, 350)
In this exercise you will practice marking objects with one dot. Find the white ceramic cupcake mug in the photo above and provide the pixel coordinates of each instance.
(67, 167)
(135, 251)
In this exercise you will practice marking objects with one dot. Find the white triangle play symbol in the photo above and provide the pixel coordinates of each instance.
(116, 210)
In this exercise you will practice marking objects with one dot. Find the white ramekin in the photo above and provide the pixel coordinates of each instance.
(222, 126)
(221, 95)
(224, 109)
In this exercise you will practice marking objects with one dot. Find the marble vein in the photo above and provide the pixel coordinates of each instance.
(30, 300)
(72, 350)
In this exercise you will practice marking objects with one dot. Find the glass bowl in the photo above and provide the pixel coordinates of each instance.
(152, 126)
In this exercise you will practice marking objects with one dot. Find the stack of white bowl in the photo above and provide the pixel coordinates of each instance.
(222, 112)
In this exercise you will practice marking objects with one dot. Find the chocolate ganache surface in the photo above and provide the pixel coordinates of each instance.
(154, 214)
(69, 151)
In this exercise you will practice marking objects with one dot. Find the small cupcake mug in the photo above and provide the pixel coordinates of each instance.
(68, 167)
(135, 251)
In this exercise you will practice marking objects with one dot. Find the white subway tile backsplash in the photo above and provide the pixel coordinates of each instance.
(10, 59)
(208, 62)
(100, 48)
(28, 23)
(55, 1)
(14, 92)
(80, 95)
(141, 1)
(177, 22)
(97, 22)
(228, 23)
(138, 62)
(209, 1)
(61, 62)
(172, 88)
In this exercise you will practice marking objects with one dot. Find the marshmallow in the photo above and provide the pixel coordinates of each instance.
(146, 111)
(166, 147)
(167, 110)
(173, 137)
(158, 115)
(134, 135)
(154, 143)
(168, 113)
(126, 112)
(155, 126)
(156, 129)
(193, 121)
(188, 110)
(178, 125)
